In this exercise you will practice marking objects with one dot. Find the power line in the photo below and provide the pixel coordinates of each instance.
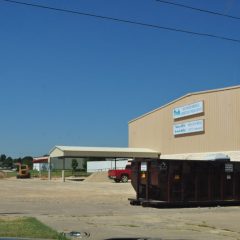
(198, 9)
(124, 21)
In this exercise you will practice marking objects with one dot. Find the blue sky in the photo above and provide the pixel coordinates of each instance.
(75, 80)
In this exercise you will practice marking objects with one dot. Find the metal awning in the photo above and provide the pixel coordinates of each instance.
(103, 152)
(40, 160)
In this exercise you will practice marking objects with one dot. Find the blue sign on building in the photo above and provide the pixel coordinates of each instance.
(188, 110)
(188, 127)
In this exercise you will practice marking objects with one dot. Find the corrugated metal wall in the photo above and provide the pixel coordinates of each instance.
(57, 163)
(98, 166)
(222, 125)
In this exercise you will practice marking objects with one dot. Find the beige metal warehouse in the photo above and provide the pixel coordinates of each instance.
(201, 125)
(195, 126)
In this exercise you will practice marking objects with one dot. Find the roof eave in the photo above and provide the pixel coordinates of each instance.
(184, 96)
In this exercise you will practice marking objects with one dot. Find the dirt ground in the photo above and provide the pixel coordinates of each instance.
(103, 210)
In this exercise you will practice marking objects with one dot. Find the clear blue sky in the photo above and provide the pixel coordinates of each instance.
(75, 80)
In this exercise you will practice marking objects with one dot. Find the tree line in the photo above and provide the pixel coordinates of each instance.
(9, 162)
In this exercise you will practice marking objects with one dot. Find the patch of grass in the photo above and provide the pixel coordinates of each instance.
(54, 174)
(27, 227)
(227, 230)
(58, 174)
(11, 174)
(203, 225)
(206, 226)
(128, 225)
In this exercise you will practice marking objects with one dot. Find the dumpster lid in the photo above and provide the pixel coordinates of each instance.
(217, 156)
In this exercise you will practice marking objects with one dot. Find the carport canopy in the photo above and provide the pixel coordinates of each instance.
(102, 152)
(63, 152)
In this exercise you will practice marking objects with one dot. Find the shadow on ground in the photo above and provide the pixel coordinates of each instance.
(140, 239)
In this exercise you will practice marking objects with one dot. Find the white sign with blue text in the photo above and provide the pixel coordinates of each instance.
(143, 166)
(188, 127)
(188, 110)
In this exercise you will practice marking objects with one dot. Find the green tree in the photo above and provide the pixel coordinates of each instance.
(28, 160)
(3, 157)
(85, 164)
(17, 160)
(8, 162)
(74, 164)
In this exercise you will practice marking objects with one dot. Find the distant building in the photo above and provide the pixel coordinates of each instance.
(40, 163)
(98, 166)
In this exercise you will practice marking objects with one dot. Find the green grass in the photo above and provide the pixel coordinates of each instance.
(54, 174)
(27, 227)
(127, 225)
(58, 174)
(11, 174)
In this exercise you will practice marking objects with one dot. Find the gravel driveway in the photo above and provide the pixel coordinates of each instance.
(103, 211)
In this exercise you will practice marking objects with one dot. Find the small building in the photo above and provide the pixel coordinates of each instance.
(60, 156)
(40, 163)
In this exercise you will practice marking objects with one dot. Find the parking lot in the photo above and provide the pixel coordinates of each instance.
(102, 209)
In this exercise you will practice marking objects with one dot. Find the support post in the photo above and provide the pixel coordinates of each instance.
(63, 170)
(49, 168)
(115, 163)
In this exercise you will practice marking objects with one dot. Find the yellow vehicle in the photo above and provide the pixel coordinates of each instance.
(23, 171)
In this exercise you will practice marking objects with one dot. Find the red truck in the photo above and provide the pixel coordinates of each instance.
(120, 175)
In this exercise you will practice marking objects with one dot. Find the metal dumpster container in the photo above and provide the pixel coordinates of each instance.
(183, 183)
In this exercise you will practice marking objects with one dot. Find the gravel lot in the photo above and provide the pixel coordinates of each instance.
(103, 210)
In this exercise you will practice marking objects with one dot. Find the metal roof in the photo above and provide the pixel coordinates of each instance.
(40, 160)
(233, 155)
(184, 96)
(108, 152)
